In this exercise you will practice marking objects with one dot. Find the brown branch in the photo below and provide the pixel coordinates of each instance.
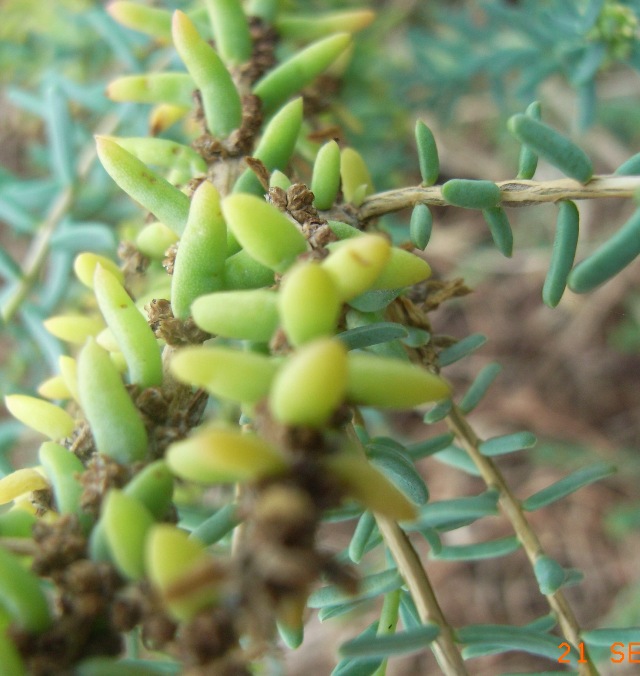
(514, 193)
(410, 567)
(513, 511)
(415, 576)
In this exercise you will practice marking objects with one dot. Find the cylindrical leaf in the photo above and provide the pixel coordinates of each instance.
(609, 259)
(266, 233)
(563, 254)
(427, 154)
(154, 193)
(311, 384)
(250, 314)
(40, 415)
(325, 180)
(131, 330)
(199, 263)
(309, 303)
(299, 70)
(115, 422)
(220, 98)
(553, 146)
(221, 455)
(225, 372)
(390, 383)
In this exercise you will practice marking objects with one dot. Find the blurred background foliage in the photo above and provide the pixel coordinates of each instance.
(463, 66)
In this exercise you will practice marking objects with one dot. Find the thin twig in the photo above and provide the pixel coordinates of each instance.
(513, 511)
(37, 255)
(514, 193)
(444, 646)
(415, 576)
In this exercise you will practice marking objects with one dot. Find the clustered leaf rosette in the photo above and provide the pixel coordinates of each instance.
(306, 384)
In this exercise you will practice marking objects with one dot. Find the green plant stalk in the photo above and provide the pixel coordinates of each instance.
(514, 193)
(513, 511)
(415, 576)
(388, 622)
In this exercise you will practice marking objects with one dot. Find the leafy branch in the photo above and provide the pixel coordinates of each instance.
(512, 509)
(513, 193)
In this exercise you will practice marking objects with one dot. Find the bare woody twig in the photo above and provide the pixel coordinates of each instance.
(514, 193)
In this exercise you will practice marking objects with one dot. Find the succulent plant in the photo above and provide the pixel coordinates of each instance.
(258, 317)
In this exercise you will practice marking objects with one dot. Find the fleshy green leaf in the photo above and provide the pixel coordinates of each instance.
(361, 535)
(461, 349)
(509, 638)
(507, 444)
(370, 586)
(218, 525)
(439, 412)
(423, 449)
(456, 457)
(605, 637)
(401, 471)
(482, 550)
(568, 485)
(479, 387)
(387, 645)
(373, 334)
(437, 514)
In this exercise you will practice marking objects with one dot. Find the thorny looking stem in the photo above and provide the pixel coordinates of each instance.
(513, 511)
(415, 576)
(514, 193)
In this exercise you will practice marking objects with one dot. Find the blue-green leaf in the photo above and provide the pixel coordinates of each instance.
(10, 430)
(364, 530)
(420, 226)
(218, 525)
(372, 301)
(416, 337)
(605, 637)
(372, 334)
(482, 550)
(408, 611)
(401, 471)
(438, 412)
(361, 666)
(630, 167)
(423, 449)
(437, 514)
(510, 638)
(291, 636)
(60, 135)
(507, 443)
(9, 270)
(330, 612)
(370, 586)
(568, 485)
(387, 645)
(461, 349)
(479, 387)
(16, 216)
(78, 237)
(456, 457)
(549, 574)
